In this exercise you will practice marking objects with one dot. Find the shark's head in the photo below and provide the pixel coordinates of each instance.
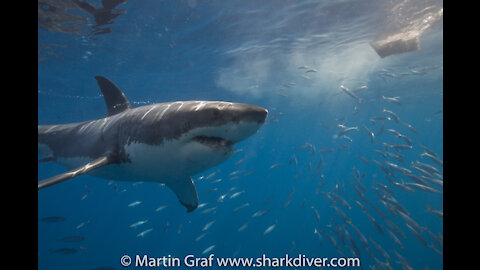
(219, 125)
(197, 134)
(214, 128)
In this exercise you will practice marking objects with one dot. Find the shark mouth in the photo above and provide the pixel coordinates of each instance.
(216, 143)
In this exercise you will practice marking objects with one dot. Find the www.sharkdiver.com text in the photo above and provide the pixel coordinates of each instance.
(212, 261)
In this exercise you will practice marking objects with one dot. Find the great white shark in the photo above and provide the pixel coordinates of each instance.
(164, 142)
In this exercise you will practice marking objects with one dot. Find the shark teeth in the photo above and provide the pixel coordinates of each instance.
(214, 142)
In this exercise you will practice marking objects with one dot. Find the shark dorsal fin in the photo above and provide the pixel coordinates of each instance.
(114, 98)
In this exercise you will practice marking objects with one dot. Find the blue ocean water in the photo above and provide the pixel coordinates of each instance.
(290, 57)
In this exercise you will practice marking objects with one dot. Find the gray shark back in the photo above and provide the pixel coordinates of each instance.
(152, 124)
(71, 140)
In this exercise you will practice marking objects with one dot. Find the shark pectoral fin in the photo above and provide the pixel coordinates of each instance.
(97, 163)
(186, 192)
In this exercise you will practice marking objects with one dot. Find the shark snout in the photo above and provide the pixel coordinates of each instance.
(252, 113)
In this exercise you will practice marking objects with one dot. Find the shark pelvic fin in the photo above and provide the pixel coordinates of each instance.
(115, 99)
(97, 163)
(186, 193)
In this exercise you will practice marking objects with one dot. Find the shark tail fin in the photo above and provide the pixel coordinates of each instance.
(97, 163)
(115, 99)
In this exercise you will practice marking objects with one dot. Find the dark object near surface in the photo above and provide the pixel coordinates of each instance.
(395, 43)
(406, 37)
